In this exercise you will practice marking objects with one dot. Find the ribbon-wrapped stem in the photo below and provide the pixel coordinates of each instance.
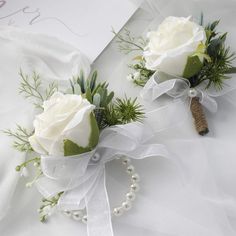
(199, 116)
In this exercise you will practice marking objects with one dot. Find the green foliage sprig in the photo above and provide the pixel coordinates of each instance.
(214, 72)
(35, 160)
(128, 43)
(96, 94)
(31, 87)
(21, 136)
(47, 205)
(107, 112)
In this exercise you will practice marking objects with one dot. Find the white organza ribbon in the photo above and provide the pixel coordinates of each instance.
(179, 88)
(82, 177)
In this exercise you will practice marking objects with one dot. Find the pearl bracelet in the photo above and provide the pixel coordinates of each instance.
(80, 215)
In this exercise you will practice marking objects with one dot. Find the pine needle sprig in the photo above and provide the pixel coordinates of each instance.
(129, 110)
(31, 87)
(111, 116)
(128, 43)
(21, 136)
(124, 111)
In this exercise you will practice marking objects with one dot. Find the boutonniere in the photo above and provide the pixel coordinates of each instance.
(75, 133)
(184, 60)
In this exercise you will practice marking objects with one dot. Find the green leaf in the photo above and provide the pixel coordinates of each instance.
(93, 80)
(94, 137)
(89, 95)
(193, 66)
(71, 148)
(109, 98)
(103, 97)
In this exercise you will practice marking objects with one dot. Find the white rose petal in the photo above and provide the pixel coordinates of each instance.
(169, 47)
(64, 117)
(36, 146)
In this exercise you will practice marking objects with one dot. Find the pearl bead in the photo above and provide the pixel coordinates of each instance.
(135, 187)
(130, 196)
(135, 178)
(192, 93)
(130, 169)
(67, 213)
(85, 219)
(127, 205)
(125, 161)
(118, 211)
(96, 157)
(77, 215)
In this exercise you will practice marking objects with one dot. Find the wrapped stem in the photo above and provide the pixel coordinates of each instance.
(199, 116)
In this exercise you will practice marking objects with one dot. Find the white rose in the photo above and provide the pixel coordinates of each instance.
(169, 47)
(67, 126)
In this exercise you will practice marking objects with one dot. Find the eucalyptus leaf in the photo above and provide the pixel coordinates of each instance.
(97, 100)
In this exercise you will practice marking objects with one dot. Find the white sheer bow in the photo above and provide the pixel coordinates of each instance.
(82, 177)
(179, 88)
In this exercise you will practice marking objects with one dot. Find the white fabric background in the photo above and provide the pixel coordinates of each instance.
(191, 194)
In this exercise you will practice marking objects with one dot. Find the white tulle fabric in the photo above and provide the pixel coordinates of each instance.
(190, 194)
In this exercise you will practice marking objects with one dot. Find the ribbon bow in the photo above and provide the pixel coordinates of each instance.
(82, 177)
(179, 88)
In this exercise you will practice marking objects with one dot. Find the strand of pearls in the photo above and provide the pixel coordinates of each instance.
(126, 205)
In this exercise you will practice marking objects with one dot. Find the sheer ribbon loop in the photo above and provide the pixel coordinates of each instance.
(180, 88)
